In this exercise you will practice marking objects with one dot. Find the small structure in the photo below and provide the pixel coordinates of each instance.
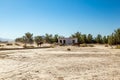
(67, 41)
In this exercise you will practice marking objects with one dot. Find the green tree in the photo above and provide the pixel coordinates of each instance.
(49, 38)
(105, 40)
(38, 40)
(24, 40)
(84, 38)
(55, 38)
(19, 40)
(90, 38)
(78, 36)
(117, 36)
(111, 39)
(28, 38)
(99, 39)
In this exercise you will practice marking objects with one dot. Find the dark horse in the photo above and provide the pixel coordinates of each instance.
(39, 44)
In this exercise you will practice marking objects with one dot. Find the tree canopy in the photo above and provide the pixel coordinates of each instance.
(112, 39)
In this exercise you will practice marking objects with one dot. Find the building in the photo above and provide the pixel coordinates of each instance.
(67, 41)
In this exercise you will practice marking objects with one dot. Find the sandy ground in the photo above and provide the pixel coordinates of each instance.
(96, 63)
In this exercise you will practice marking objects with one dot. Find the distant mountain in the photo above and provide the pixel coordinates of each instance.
(4, 39)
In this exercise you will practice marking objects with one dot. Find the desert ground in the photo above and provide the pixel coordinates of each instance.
(81, 63)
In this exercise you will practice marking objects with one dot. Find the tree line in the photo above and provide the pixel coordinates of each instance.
(112, 39)
(28, 38)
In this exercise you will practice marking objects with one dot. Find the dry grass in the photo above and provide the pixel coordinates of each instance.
(83, 45)
(86, 45)
(117, 47)
(91, 45)
(28, 46)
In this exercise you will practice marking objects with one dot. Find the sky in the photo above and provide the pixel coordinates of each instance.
(63, 17)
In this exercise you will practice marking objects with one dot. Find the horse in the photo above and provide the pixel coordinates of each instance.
(39, 44)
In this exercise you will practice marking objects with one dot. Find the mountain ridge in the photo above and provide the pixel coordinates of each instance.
(5, 39)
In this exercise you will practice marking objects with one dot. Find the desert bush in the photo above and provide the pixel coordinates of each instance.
(117, 47)
(68, 49)
(9, 44)
(24, 46)
(83, 45)
(1, 45)
(91, 45)
(30, 46)
(17, 44)
(61, 44)
(106, 45)
(52, 46)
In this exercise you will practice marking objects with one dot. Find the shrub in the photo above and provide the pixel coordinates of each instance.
(83, 45)
(17, 44)
(30, 46)
(1, 45)
(68, 49)
(61, 44)
(117, 47)
(106, 45)
(90, 45)
(24, 46)
(9, 44)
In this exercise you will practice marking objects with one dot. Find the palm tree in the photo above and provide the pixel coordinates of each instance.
(117, 36)
(55, 38)
(105, 40)
(89, 38)
(84, 38)
(38, 40)
(78, 36)
(49, 38)
(111, 40)
(99, 39)
(27, 38)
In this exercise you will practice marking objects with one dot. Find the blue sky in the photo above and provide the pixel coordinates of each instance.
(62, 17)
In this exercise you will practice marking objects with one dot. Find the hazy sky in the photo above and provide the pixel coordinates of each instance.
(62, 17)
